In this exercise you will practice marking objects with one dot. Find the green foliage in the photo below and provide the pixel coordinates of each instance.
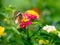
(49, 15)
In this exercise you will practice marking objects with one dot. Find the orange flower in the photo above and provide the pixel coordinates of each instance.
(25, 19)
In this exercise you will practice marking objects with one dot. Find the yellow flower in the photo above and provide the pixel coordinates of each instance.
(2, 33)
(46, 41)
(5, 20)
(25, 19)
(43, 41)
(33, 13)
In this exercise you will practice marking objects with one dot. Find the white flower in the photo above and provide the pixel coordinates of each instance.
(59, 34)
(49, 28)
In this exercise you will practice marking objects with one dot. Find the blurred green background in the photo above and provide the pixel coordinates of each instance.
(49, 6)
(49, 15)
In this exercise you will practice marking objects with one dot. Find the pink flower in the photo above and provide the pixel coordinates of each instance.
(25, 24)
(31, 14)
(28, 16)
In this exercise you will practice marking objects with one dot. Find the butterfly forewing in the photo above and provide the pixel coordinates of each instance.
(17, 17)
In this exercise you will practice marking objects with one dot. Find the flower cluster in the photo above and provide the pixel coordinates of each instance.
(25, 24)
(43, 41)
(31, 14)
(49, 28)
(28, 16)
(2, 33)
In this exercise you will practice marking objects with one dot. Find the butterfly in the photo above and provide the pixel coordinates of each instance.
(17, 17)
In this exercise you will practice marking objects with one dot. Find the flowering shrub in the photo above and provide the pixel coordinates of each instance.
(36, 27)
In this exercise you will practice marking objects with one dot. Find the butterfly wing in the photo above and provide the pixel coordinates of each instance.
(17, 17)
